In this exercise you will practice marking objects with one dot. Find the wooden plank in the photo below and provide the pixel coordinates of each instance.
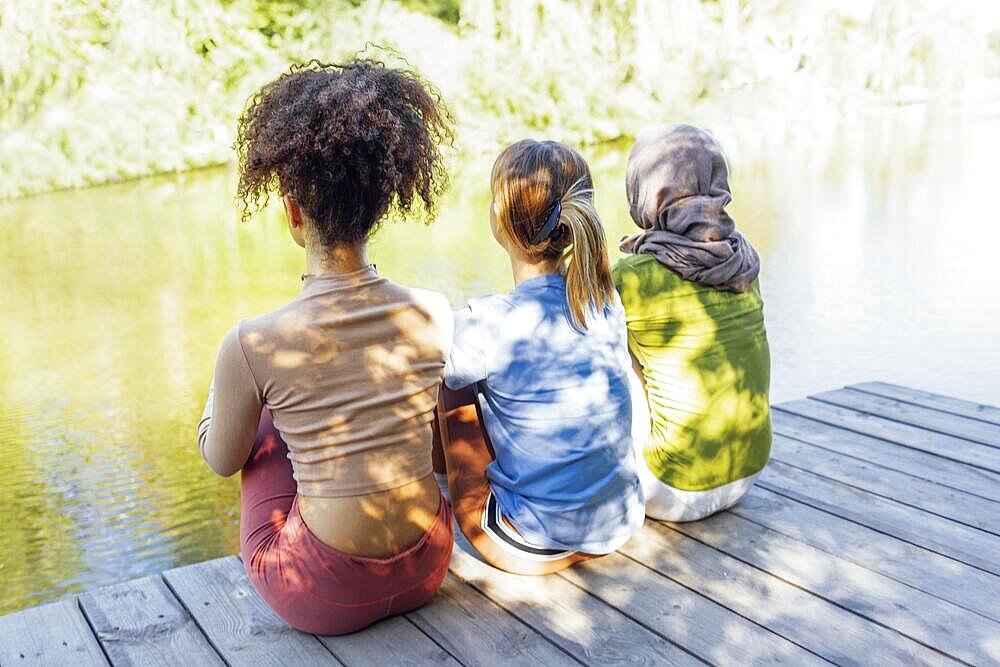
(927, 619)
(50, 634)
(944, 501)
(947, 446)
(969, 545)
(955, 406)
(477, 631)
(707, 629)
(140, 622)
(240, 625)
(915, 415)
(819, 626)
(933, 573)
(393, 641)
(889, 455)
(571, 618)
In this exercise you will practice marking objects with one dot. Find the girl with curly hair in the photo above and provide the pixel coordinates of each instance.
(326, 404)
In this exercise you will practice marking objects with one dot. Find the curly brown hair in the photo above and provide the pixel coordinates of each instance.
(349, 141)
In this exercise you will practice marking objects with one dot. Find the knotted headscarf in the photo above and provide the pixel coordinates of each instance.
(677, 184)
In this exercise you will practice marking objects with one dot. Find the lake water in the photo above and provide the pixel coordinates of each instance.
(877, 239)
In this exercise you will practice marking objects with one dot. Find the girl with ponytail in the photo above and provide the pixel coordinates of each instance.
(534, 419)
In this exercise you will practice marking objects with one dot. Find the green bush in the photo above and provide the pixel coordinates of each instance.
(96, 91)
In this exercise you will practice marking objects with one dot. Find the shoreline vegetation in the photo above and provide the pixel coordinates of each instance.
(100, 91)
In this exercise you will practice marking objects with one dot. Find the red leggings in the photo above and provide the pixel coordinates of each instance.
(311, 585)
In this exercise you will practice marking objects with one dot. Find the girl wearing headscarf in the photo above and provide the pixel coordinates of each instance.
(696, 332)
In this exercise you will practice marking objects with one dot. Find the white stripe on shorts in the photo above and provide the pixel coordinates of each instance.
(494, 525)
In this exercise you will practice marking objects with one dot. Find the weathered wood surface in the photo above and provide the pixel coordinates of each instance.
(910, 611)
(938, 575)
(478, 631)
(705, 628)
(940, 444)
(579, 623)
(952, 539)
(915, 415)
(944, 501)
(819, 626)
(888, 455)
(394, 641)
(140, 622)
(237, 621)
(873, 537)
(955, 406)
(51, 634)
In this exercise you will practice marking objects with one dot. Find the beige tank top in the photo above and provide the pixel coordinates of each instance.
(350, 371)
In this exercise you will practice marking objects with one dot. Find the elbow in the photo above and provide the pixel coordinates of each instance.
(219, 465)
(223, 471)
(222, 468)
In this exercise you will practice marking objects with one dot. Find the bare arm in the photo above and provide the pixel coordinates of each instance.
(229, 423)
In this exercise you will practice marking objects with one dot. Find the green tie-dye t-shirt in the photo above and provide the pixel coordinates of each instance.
(707, 369)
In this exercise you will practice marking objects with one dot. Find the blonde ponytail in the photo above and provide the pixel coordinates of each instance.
(585, 260)
(529, 178)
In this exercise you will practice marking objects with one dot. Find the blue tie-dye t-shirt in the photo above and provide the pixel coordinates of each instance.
(555, 401)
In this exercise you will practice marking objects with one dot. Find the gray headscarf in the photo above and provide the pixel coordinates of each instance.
(677, 184)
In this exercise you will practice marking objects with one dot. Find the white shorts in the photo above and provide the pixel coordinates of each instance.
(665, 503)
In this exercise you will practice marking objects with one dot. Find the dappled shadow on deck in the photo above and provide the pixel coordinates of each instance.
(787, 576)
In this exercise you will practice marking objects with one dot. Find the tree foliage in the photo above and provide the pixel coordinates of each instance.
(101, 90)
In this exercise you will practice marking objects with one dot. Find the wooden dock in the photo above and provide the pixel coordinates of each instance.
(873, 537)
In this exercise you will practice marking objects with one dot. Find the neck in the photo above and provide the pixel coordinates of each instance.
(339, 258)
(525, 269)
